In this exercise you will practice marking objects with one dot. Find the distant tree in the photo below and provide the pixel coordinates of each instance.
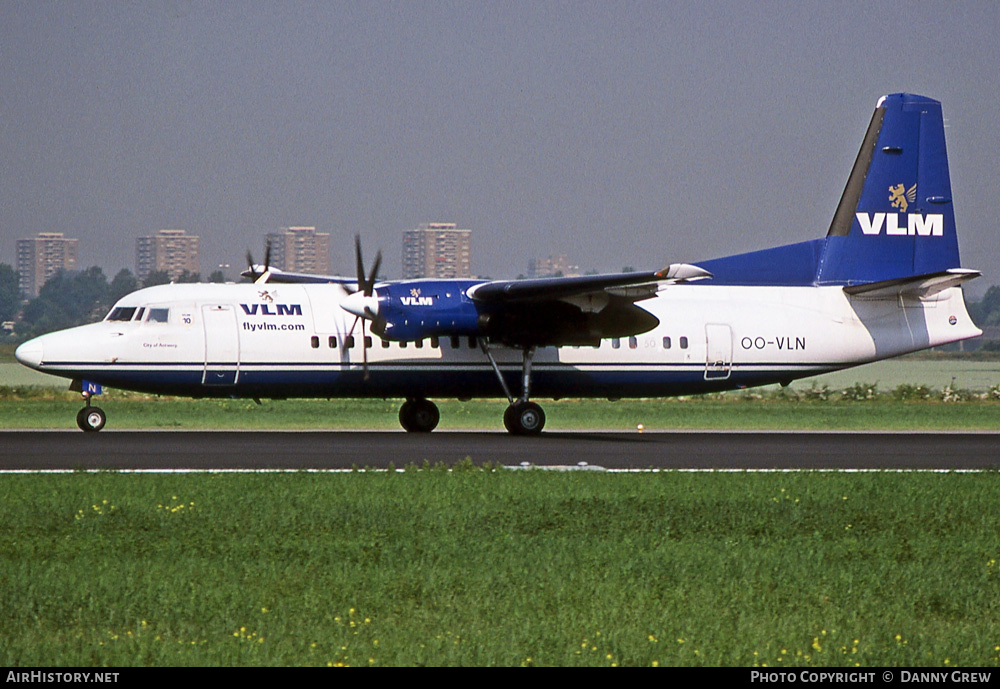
(628, 269)
(986, 312)
(67, 299)
(89, 294)
(188, 277)
(43, 316)
(217, 276)
(10, 293)
(123, 283)
(156, 277)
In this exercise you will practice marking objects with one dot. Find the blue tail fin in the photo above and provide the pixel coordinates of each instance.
(895, 218)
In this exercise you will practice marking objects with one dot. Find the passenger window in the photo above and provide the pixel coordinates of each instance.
(385, 344)
(633, 343)
(349, 342)
(419, 344)
(314, 341)
(616, 343)
(666, 343)
(684, 343)
(455, 344)
(368, 342)
(435, 343)
(158, 316)
(332, 342)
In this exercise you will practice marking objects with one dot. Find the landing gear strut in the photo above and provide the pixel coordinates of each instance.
(419, 415)
(90, 419)
(521, 417)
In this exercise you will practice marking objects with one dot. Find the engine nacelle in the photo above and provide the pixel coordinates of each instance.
(417, 309)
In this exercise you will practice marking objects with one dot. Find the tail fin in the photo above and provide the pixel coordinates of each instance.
(895, 218)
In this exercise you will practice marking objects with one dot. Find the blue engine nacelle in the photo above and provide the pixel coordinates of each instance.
(417, 309)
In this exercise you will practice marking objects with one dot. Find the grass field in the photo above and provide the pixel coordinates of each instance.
(491, 567)
(976, 374)
(918, 392)
(859, 408)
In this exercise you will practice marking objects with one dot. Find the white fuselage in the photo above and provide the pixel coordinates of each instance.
(295, 340)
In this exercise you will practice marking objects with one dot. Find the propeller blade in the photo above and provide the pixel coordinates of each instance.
(370, 285)
(364, 350)
(252, 271)
(360, 262)
(267, 255)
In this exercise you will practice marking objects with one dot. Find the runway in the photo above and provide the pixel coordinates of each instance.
(319, 450)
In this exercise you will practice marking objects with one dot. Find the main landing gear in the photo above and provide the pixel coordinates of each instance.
(419, 415)
(90, 419)
(522, 417)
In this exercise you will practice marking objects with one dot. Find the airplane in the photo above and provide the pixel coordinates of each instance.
(884, 281)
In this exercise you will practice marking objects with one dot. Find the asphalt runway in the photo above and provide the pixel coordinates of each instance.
(224, 450)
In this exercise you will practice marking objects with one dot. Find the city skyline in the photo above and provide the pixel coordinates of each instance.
(42, 256)
(627, 134)
(300, 250)
(437, 250)
(173, 252)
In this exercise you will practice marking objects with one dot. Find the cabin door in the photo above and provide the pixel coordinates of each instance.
(222, 345)
(718, 351)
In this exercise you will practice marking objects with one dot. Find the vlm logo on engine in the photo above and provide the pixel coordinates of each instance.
(917, 224)
(416, 300)
(272, 309)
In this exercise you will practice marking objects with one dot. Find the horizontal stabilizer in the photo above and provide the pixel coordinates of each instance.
(916, 286)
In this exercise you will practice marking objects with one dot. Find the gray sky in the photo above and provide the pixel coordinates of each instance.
(620, 133)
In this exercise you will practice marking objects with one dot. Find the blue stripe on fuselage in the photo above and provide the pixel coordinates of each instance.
(431, 379)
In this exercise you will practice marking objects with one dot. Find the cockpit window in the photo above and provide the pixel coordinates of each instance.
(158, 316)
(121, 313)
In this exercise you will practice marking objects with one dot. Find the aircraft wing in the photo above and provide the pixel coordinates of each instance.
(574, 310)
(641, 285)
(276, 275)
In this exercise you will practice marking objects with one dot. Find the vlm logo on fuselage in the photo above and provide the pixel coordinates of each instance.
(272, 309)
(416, 300)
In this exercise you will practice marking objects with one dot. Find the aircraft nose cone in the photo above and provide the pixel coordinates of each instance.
(30, 353)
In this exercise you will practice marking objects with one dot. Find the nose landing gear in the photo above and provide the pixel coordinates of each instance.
(90, 419)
